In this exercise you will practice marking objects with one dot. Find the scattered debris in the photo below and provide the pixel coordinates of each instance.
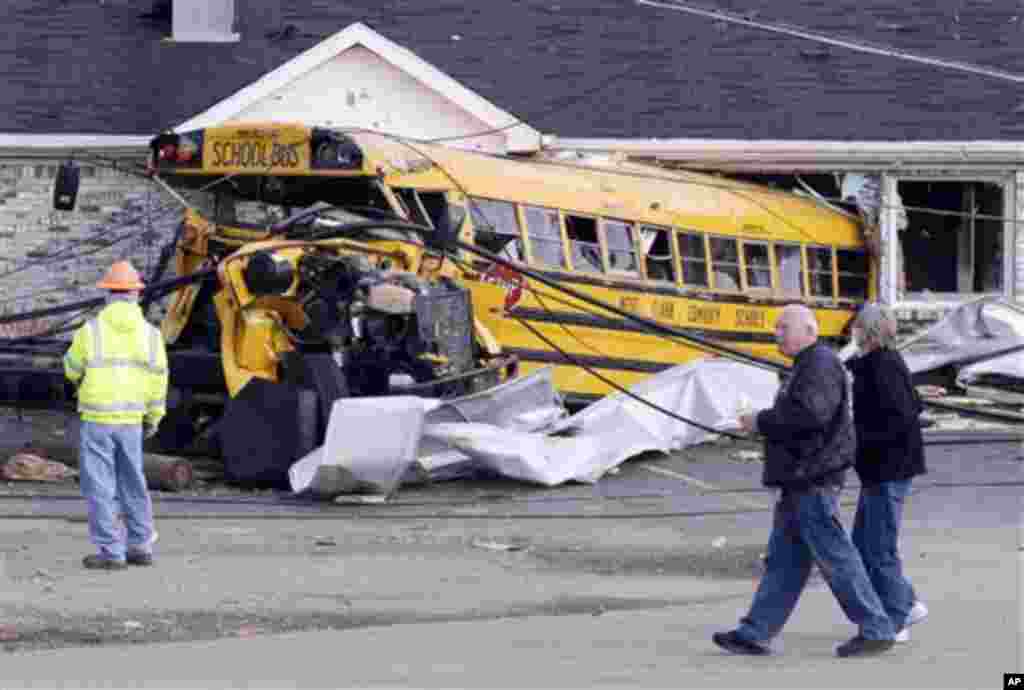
(360, 499)
(33, 468)
(496, 546)
(519, 430)
(325, 541)
(747, 456)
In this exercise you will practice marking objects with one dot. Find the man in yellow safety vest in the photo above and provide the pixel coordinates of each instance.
(118, 363)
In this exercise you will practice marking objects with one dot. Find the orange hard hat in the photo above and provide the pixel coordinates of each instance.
(121, 276)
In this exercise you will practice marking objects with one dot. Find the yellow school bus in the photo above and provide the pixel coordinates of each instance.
(711, 256)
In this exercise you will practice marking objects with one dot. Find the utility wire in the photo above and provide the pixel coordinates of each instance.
(621, 389)
(818, 37)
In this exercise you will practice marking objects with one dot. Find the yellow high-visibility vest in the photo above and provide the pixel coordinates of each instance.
(119, 364)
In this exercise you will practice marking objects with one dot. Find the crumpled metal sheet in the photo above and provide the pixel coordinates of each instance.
(374, 444)
(515, 431)
(369, 445)
(971, 336)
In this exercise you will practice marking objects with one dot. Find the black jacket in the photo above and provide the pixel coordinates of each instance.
(808, 432)
(885, 414)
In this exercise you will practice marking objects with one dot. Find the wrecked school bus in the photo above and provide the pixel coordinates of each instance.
(315, 264)
(710, 256)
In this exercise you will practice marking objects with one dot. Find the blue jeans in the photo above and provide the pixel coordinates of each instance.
(806, 530)
(110, 460)
(876, 532)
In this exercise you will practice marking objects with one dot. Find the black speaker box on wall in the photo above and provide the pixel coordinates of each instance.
(65, 188)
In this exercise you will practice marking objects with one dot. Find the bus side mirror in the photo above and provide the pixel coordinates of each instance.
(65, 187)
(447, 230)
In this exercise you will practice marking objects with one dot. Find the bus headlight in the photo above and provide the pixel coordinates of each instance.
(334, 151)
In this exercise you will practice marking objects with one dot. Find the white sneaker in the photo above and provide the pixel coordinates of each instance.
(918, 612)
(902, 636)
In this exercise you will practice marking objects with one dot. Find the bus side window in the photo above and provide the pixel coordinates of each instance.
(725, 263)
(819, 271)
(496, 227)
(657, 252)
(791, 275)
(853, 274)
(545, 236)
(621, 247)
(411, 201)
(584, 247)
(695, 260)
(759, 266)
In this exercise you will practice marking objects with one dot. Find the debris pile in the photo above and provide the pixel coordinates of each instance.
(34, 468)
(520, 430)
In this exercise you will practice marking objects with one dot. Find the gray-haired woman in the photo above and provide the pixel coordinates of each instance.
(890, 452)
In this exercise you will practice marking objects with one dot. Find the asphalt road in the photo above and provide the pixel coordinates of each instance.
(500, 584)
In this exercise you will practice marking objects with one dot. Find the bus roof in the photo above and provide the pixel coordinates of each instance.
(611, 188)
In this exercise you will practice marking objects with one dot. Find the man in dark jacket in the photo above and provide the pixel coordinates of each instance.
(890, 453)
(809, 444)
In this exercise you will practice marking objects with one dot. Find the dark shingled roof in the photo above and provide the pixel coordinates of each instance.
(575, 68)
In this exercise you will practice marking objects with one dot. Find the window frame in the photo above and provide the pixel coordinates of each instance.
(708, 238)
(529, 238)
(809, 272)
(674, 255)
(866, 275)
(520, 237)
(745, 285)
(633, 232)
(705, 244)
(602, 269)
(803, 292)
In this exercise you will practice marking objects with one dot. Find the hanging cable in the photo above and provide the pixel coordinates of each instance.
(818, 37)
(621, 389)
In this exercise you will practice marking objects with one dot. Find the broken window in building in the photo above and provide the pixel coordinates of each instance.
(954, 235)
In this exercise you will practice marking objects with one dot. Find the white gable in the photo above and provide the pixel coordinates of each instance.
(358, 78)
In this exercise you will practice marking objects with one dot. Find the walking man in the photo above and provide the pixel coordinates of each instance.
(118, 363)
(809, 444)
(890, 453)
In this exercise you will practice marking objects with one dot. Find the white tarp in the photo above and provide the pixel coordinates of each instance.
(618, 427)
(514, 431)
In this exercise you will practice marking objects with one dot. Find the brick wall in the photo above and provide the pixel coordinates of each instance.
(50, 257)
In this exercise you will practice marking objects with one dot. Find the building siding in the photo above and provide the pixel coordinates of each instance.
(50, 257)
